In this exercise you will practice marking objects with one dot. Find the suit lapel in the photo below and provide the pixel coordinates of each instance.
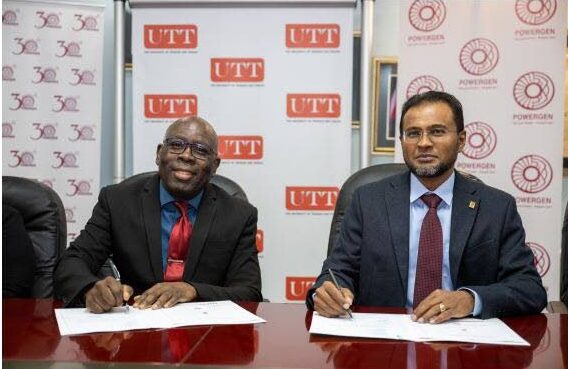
(205, 216)
(398, 215)
(465, 205)
(151, 212)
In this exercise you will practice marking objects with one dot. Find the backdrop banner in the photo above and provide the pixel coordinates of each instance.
(51, 102)
(275, 82)
(504, 60)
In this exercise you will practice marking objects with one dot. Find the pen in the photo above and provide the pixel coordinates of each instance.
(339, 288)
(116, 275)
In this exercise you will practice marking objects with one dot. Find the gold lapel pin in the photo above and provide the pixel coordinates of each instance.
(472, 204)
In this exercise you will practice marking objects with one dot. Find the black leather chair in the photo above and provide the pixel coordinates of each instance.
(562, 305)
(44, 220)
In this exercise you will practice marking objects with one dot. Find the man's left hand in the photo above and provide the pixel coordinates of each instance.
(165, 295)
(442, 305)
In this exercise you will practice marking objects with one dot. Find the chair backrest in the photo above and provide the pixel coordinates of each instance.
(564, 260)
(44, 220)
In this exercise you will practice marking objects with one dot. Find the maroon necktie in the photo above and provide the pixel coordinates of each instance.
(179, 244)
(429, 263)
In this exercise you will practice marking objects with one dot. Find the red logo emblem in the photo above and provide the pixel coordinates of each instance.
(10, 17)
(8, 73)
(481, 140)
(169, 106)
(479, 56)
(49, 20)
(311, 198)
(170, 36)
(533, 90)
(65, 104)
(531, 173)
(313, 105)
(45, 75)
(8, 130)
(78, 187)
(69, 49)
(85, 23)
(65, 160)
(541, 258)
(427, 15)
(24, 102)
(259, 240)
(82, 77)
(535, 12)
(312, 36)
(423, 84)
(69, 215)
(44, 131)
(22, 159)
(298, 287)
(241, 147)
(26, 46)
(82, 133)
(237, 69)
(49, 182)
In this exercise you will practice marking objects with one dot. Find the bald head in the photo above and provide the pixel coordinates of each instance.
(211, 135)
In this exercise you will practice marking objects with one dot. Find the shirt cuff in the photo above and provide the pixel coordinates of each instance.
(477, 303)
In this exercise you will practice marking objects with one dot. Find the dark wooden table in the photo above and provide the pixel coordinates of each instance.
(30, 338)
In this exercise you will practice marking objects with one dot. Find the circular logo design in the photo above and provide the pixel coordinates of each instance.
(30, 47)
(479, 56)
(531, 173)
(27, 159)
(535, 12)
(90, 23)
(7, 130)
(84, 188)
(7, 73)
(481, 140)
(28, 102)
(541, 258)
(427, 15)
(423, 84)
(533, 90)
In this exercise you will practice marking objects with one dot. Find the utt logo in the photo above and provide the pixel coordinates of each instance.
(8, 73)
(28, 47)
(82, 133)
(22, 159)
(24, 102)
(65, 104)
(170, 36)
(541, 258)
(298, 287)
(169, 106)
(533, 90)
(78, 187)
(69, 215)
(50, 20)
(313, 105)
(311, 198)
(85, 23)
(259, 240)
(10, 17)
(531, 173)
(427, 15)
(481, 140)
(82, 77)
(45, 75)
(65, 160)
(8, 130)
(68, 49)
(535, 12)
(241, 147)
(312, 36)
(479, 56)
(423, 84)
(237, 69)
(44, 131)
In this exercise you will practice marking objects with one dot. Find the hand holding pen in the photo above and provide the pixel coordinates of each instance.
(107, 293)
(332, 300)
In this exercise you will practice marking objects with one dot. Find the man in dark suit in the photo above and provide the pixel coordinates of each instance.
(430, 238)
(174, 237)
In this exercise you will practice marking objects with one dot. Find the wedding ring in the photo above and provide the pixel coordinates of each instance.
(443, 308)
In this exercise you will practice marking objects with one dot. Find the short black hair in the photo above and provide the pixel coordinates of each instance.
(435, 97)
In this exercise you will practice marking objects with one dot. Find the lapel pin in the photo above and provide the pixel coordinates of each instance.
(472, 204)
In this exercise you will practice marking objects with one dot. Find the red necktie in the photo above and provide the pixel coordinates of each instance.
(179, 244)
(429, 263)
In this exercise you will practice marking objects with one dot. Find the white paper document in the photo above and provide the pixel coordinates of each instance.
(79, 321)
(401, 327)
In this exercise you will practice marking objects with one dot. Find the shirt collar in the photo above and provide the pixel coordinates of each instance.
(445, 190)
(166, 197)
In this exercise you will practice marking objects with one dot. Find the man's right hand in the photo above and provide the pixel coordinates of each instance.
(106, 294)
(331, 302)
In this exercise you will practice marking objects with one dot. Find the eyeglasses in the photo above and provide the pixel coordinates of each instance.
(178, 146)
(434, 134)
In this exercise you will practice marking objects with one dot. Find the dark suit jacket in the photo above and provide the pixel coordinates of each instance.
(222, 262)
(487, 248)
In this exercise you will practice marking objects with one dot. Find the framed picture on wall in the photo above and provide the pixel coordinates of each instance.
(355, 101)
(385, 74)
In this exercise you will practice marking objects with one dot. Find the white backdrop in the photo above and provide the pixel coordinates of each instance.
(275, 82)
(504, 60)
(51, 100)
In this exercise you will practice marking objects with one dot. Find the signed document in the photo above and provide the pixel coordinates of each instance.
(401, 327)
(79, 321)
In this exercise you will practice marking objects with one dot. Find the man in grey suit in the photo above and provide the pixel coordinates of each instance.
(135, 221)
(462, 255)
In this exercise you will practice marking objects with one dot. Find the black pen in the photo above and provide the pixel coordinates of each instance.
(116, 275)
(339, 288)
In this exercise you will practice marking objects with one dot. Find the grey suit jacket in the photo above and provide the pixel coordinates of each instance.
(222, 262)
(488, 253)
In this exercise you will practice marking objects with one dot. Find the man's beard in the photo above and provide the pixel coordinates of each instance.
(433, 171)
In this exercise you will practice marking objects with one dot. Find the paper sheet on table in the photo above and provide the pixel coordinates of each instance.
(401, 327)
(79, 321)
